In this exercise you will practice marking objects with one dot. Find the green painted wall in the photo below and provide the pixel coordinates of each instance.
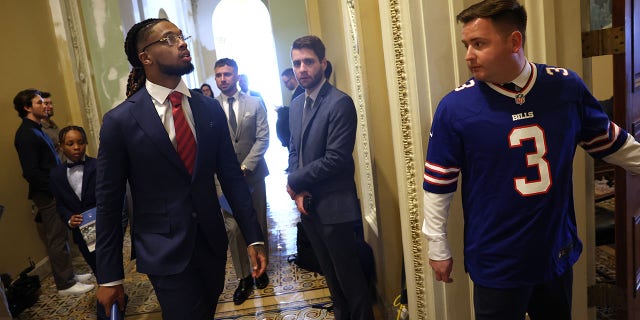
(105, 45)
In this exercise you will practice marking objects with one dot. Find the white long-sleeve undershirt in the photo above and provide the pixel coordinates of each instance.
(436, 213)
(627, 157)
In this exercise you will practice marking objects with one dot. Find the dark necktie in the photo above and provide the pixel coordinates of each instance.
(306, 112)
(233, 123)
(185, 141)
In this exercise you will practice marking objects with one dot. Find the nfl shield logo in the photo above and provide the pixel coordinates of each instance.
(520, 98)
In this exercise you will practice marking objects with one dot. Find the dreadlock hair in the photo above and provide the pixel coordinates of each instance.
(137, 34)
(63, 133)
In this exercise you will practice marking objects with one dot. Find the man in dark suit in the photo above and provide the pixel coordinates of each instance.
(249, 132)
(168, 143)
(323, 132)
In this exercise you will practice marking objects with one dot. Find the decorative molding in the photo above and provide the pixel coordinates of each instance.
(81, 66)
(408, 156)
(358, 94)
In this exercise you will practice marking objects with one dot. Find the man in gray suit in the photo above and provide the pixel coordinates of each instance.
(249, 132)
(323, 132)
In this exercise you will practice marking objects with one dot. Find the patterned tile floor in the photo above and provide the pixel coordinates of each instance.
(293, 293)
(605, 274)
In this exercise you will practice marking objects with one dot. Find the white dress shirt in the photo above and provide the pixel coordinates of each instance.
(74, 176)
(160, 99)
(225, 104)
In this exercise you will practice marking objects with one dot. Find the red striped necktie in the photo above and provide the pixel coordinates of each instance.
(186, 143)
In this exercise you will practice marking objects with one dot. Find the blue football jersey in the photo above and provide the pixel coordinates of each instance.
(515, 152)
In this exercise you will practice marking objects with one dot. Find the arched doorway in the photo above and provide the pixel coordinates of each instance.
(242, 31)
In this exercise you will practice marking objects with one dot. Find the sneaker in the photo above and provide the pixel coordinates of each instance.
(78, 288)
(82, 277)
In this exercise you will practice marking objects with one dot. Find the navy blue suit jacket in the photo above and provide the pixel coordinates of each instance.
(67, 202)
(169, 205)
(327, 140)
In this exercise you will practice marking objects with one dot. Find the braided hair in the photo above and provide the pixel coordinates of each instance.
(63, 133)
(136, 34)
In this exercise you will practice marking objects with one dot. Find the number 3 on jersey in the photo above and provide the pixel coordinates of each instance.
(535, 159)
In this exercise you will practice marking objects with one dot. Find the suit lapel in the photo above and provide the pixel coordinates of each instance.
(62, 170)
(201, 124)
(146, 116)
(295, 119)
(87, 174)
(316, 105)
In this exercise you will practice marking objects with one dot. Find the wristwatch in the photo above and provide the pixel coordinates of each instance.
(243, 168)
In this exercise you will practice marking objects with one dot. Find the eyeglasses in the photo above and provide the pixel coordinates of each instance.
(171, 40)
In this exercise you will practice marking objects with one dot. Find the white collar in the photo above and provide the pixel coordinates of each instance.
(160, 93)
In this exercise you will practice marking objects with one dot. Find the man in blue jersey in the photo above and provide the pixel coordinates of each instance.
(511, 131)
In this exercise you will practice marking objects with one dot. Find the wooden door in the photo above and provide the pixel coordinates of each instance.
(626, 13)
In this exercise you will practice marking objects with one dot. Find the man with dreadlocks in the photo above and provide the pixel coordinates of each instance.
(167, 142)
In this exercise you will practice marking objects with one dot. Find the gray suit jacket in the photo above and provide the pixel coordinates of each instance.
(326, 140)
(251, 140)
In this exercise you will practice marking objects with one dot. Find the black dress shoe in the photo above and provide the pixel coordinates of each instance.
(262, 281)
(243, 291)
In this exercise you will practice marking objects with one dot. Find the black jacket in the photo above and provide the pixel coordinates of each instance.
(37, 157)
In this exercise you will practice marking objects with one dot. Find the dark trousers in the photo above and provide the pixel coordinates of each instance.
(547, 301)
(336, 250)
(55, 241)
(192, 293)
